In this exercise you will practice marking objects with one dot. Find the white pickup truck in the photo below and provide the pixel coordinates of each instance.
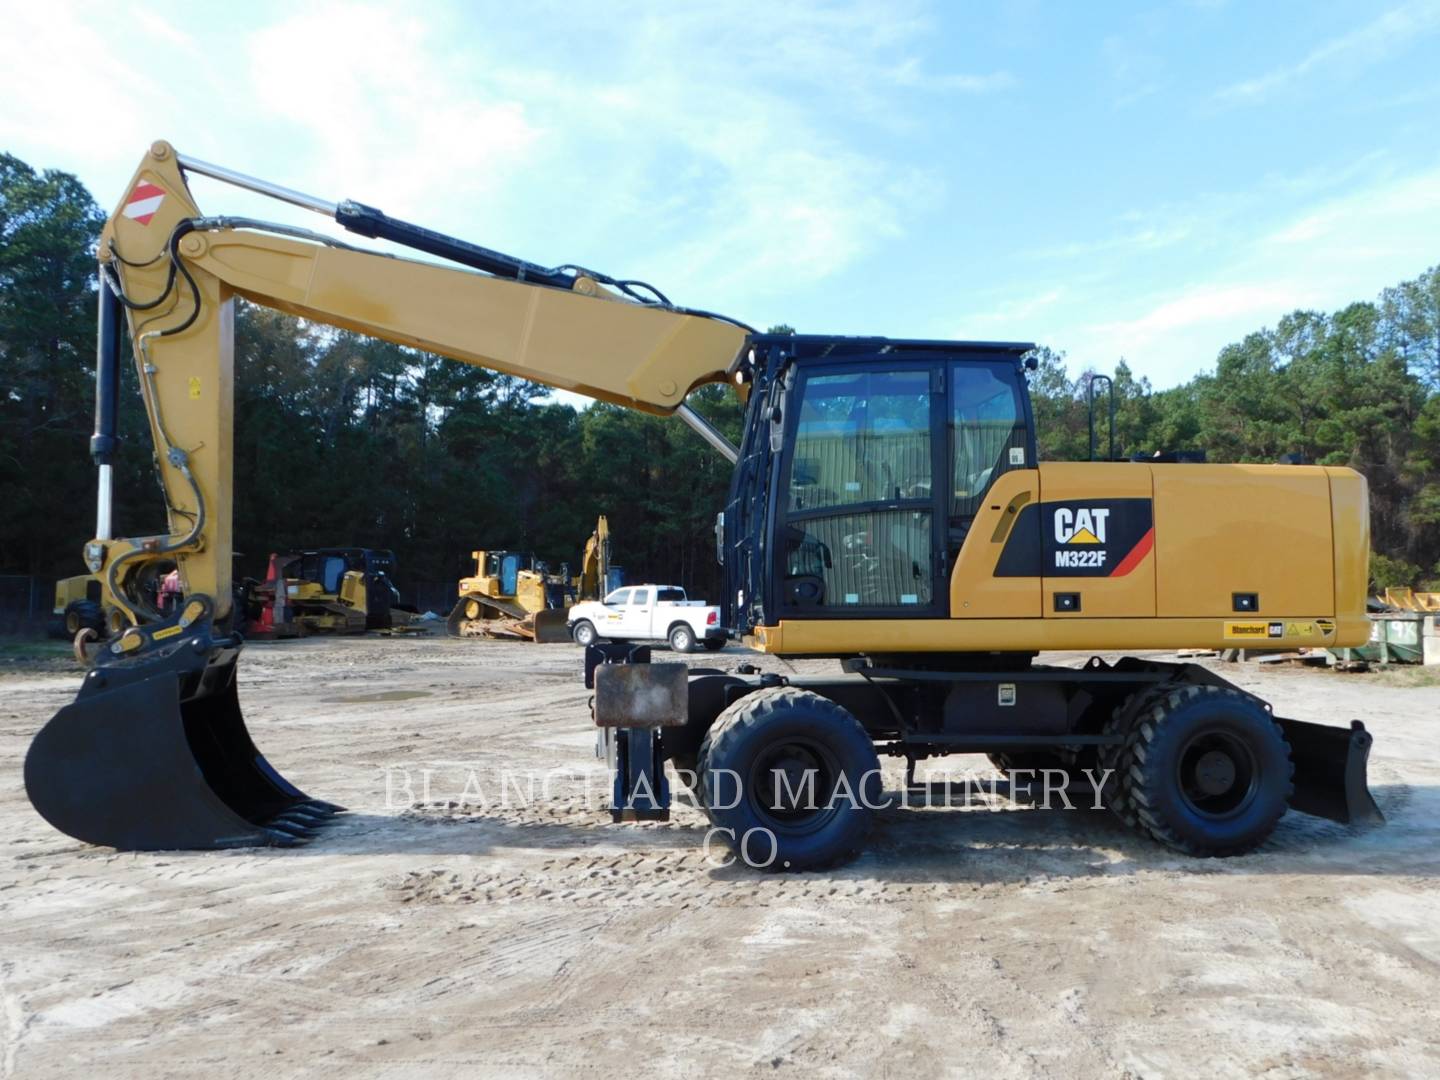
(649, 613)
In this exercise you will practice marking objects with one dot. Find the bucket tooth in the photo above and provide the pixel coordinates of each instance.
(154, 754)
(289, 828)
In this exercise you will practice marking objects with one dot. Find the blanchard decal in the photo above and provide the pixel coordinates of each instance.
(1254, 630)
(1074, 538)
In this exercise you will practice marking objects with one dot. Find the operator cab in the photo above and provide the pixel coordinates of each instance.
(863, 466)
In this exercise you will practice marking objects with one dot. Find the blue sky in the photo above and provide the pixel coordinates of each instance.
(1147, 180)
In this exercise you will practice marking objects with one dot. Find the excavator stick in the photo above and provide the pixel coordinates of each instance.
(154, 755)
(1331, 771)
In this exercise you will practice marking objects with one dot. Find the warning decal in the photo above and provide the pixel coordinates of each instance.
(143, 202)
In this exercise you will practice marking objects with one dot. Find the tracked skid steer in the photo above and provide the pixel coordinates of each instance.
(888, 509)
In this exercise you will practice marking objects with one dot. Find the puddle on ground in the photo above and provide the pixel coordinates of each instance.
(383, 695)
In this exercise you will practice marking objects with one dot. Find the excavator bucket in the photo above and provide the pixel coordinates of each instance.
(154, 755)
(1332, 771)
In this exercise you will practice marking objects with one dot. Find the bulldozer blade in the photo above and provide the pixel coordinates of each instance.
(154, 755)
(1331, 771)
(552, 626)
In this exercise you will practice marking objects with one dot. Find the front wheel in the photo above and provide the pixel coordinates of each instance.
(682, 639)
(584, 633)
(790, 779)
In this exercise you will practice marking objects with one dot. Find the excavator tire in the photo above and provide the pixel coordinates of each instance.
(782, 734)
(1206, 771)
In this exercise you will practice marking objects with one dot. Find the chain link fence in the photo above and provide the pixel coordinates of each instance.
(25, 603)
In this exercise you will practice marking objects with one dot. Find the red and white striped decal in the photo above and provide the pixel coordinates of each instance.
(143, 202)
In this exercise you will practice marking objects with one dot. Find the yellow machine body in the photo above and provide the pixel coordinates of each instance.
(1293, 537)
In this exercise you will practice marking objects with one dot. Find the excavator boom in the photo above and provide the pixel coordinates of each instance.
(154, 752)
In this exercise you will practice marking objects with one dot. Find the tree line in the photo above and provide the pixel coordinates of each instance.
(344, 440)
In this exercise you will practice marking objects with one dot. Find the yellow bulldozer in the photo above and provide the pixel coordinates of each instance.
(514, 595)
(338, 590)
(888, 509)
(511, 595)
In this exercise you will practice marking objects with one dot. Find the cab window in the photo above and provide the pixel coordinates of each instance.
(618, 598)
(639, 597)
(987, 432)
(859, 514)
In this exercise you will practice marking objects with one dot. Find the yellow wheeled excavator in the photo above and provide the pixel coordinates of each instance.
(887, 508)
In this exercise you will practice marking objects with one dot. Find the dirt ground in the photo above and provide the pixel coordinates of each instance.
(519, 936)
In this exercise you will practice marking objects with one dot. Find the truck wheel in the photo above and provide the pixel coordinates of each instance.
(791, 778)
(682, 639)
(1206, 771)
(584, 633)
(714, 644)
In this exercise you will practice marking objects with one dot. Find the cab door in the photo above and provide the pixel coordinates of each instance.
(858, 512)
(636, 615)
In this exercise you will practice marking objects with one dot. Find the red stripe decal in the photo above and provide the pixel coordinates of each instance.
(145, 190)
(1137, 553)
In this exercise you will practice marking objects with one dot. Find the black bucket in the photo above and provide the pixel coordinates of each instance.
(1332, 771)
(154, 755)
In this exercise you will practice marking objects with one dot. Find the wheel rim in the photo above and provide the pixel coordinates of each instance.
(681, 640)
(1218, 774)
(584, 635)
(791, 786)
(72, 622)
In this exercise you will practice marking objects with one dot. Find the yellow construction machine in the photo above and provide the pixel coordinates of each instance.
(79, 607)
(324, 591)
(511, 595)
(888, 508)
(597, 574)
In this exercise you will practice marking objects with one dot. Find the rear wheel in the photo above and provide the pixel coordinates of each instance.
(1206, 771)
(584, 633)
(682, 639)
(792, 778)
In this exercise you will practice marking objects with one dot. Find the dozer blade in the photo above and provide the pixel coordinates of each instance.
(1331, 771)
(154, 755)
(551, 625)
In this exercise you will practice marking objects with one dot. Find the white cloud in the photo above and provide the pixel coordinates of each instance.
(1393, 30)
(709, 164)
